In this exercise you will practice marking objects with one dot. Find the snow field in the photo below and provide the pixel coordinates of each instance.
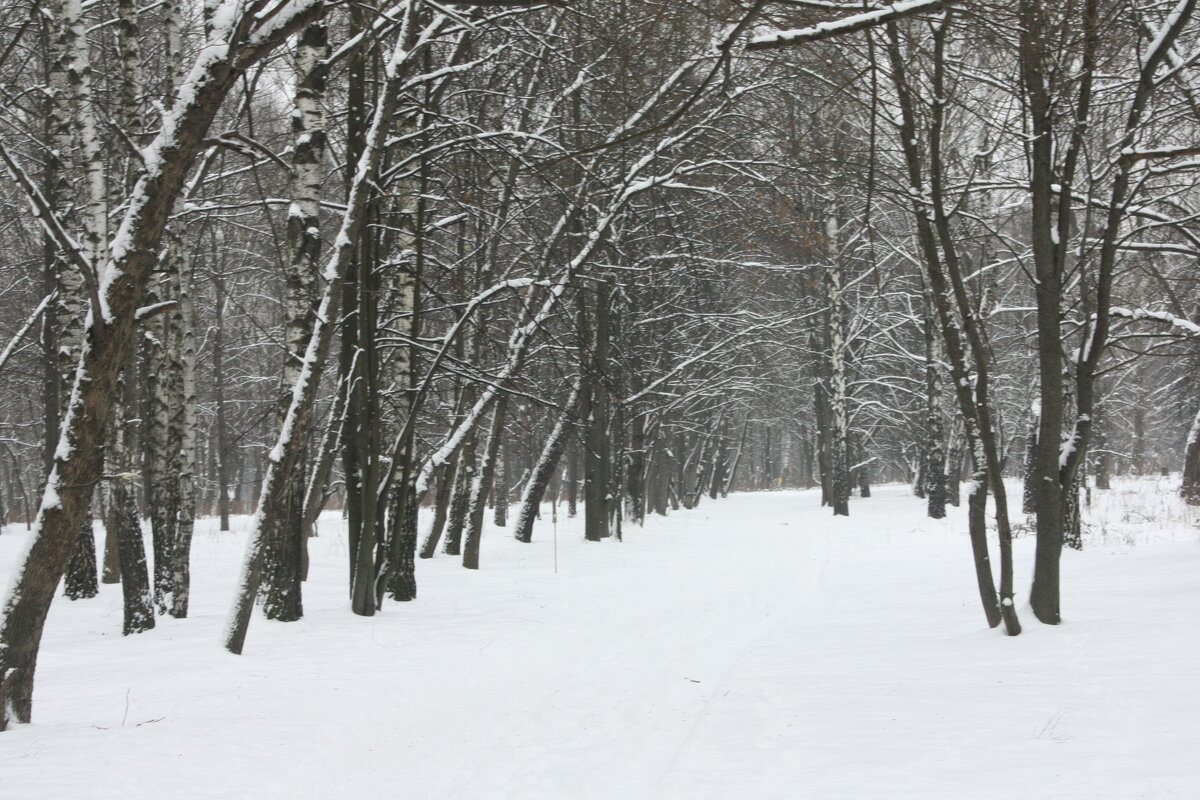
(754, 647)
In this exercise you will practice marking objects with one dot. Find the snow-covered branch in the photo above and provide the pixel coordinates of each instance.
(850, 24)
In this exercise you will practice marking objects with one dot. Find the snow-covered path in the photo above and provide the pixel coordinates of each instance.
(752, 648)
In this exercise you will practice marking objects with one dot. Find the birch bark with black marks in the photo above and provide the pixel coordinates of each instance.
(839, 449)
(73, 131)
(283, 564)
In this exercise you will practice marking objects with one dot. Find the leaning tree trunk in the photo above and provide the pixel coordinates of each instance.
(441, 506)
(942, 271)
(480, 485)
(460, 501)
(545, 467)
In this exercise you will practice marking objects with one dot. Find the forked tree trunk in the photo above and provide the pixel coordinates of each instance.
(941, 269)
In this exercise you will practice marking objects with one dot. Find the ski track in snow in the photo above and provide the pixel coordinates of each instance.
(754, 647)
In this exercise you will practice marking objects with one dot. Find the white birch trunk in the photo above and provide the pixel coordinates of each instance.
(838, 450)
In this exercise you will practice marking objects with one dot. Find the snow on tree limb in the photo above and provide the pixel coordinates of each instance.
(855, 22)
(45, 215)
(24, 329)
(1187, 327)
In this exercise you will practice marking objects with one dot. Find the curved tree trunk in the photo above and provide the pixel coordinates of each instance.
(543, 470)
(480, 485)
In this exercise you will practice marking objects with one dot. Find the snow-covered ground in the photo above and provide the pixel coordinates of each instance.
(752, 648)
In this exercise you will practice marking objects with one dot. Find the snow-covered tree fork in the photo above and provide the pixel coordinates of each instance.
(1056, 155)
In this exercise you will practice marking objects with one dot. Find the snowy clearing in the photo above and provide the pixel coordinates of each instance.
(752, 648)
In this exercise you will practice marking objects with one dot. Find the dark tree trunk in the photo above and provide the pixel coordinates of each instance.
(282, 568)
(935, 451)
(80, 581)
(1191, 465)
(737, 460)
(1073, 523)
(573, 474)
(597, 485)
(1103, 467)
(954, 468)
(500, 489)
(222, 423)
(110, 571)
(479, 490)
(441, 506)
(864, 472)
(135, 578)
(461, 499)
(824, 462)
(1029, 486)
(402, 536)
(919, 472)
(545, 468)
